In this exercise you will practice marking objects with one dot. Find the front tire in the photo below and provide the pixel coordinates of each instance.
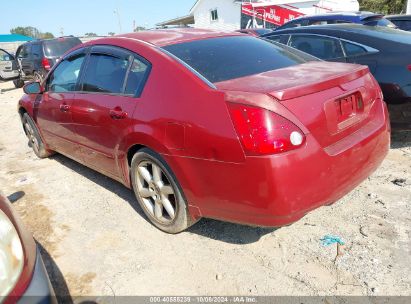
(158, 192)
(33, 135)
(18, 83)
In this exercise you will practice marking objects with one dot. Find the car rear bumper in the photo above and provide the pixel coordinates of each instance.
(280, 189)
(39, 290)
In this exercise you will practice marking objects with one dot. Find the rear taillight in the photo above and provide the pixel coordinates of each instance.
(45, 63)
(264, 132)
(409, 67)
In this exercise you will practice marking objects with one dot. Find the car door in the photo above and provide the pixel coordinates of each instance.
(8, 66)
(323, 47)
(23, 58)
(360, 54)
(54, 110)
(110, 90)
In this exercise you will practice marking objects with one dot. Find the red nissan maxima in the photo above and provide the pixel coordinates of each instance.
(208, 124)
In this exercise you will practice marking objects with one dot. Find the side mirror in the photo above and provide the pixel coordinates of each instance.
(33, 88)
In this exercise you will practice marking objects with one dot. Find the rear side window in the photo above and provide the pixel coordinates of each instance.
(65, 76)
(224, 58)
(353, 49)
(318, 46)
(36, 51)
(57, 47)
(105, 74)
(136, 77)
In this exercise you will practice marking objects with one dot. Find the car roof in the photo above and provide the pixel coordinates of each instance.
(358, 16)
(165, 37)
(346, 27)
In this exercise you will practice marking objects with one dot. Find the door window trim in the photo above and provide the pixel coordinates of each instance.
(118, 52)
(370, 50)
(81, 51)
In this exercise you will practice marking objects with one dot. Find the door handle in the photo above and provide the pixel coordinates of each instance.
(64, 107)
(118, 113)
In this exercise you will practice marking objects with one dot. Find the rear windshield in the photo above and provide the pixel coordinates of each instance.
(225, 58)
(57, 47)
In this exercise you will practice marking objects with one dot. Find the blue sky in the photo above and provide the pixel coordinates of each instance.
(78, 17)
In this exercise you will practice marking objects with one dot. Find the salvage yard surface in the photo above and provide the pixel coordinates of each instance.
(96, 241)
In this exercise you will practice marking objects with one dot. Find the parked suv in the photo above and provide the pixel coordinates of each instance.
(36, 58)
(365, 18)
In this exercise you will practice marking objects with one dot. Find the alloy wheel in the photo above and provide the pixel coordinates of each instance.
(156, 192)
(33, 141)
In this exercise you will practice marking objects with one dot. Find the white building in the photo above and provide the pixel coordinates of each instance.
(232, 15)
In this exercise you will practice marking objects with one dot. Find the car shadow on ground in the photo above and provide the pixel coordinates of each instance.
(7, 90)
(56, 277)
(213, 229)
(400, 139)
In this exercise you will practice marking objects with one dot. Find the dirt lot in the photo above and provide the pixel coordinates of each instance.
(96, 240)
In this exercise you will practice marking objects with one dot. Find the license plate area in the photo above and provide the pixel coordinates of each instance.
(349, 106)
(345, 111)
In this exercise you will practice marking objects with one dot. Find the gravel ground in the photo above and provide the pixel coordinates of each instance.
(96, 241)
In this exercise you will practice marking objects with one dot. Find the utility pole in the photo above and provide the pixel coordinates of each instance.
(409, 7)
(62, 32)
(116, 12)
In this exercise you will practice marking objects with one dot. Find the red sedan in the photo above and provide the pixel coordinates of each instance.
(208, 124)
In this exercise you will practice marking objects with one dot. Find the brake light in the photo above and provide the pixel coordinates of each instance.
(264, 132)
(409, 67)
(45, 63)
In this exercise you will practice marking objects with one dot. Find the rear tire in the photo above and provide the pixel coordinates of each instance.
(18, 83)
(158, 192)
(33, 135)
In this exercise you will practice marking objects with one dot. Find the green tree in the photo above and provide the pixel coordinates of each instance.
(111, 33)
(31, 32)
(386, 7)
(90, 34)
(46, 35)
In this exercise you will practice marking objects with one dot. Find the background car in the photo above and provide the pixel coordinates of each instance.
(22, 272)
(36, 58)
(260, 139)
(365, 18)
(384, 50)
(403, 22)
(255, 31)
(8, 66)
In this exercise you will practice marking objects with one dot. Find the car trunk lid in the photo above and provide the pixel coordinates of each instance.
(333, 100)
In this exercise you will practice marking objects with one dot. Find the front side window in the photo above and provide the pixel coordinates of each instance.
(403, 24)
(4, 56)
(64, 77)
(24, 52)
(322, 47)
(105, 74)
(353, 49)
(224, 58)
